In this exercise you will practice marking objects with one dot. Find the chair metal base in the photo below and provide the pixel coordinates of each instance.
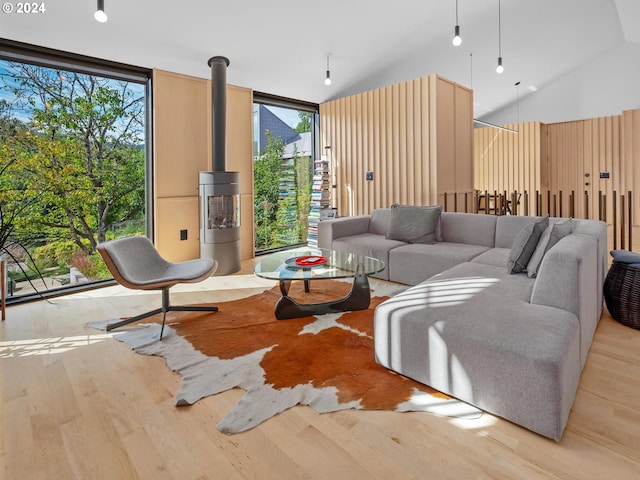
(166, 307)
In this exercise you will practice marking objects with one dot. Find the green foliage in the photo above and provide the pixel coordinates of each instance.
(73, 170)
(92, 266)
(80, 157)
(16, 195)
(282, 196)
(303, 177)
(305, 122)
(54, 254)
(287, 213)
(267, 170)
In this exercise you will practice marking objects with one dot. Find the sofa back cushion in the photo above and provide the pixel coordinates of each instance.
(414, 224)
(380, 221)
(468, 228)
(509, 226)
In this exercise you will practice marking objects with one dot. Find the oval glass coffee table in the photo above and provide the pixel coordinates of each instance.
(283, 267)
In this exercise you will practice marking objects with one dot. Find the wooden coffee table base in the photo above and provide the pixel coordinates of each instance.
(358, 298)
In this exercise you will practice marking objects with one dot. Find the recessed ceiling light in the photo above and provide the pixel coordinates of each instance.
(533, 88)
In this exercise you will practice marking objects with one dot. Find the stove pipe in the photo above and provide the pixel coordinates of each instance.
(218, 67)
(219, 189)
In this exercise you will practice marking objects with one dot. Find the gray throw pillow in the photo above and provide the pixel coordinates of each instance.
(625, 256)
(525, 244)
(414, 224)
(552, 235)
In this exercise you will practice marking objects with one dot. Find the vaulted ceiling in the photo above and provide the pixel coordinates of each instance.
(280, 46)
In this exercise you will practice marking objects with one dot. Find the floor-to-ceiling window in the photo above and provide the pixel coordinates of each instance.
(285, 146)
(73, 165)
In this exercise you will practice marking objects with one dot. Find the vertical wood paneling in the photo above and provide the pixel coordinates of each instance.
(445, 128)
(417, 144)
(402, 143)
(463, 146)
(375, 145)
(395, 138)
(181, 137)
(629, 172)
(392, 132)
(182, 148)
(508, 161)
(590, 147)
(410, 174)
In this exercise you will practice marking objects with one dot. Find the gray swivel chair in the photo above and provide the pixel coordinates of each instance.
(135, 263)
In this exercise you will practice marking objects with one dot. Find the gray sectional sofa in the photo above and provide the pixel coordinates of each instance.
(513, 344)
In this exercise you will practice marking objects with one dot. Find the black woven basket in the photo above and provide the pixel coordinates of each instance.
(622, 293)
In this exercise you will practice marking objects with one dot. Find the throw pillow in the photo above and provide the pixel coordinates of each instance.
(552, 235)
(625, 256)
(525, 244)
(414, 224)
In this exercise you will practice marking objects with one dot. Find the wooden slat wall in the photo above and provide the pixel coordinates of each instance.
(581, 148)
(509, 161)
(606, 144)
(393, 132)
(557, 157)
(629, 170)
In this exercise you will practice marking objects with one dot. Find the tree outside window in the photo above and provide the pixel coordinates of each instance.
(72, 166)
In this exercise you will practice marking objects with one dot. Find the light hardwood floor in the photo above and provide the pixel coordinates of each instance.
(77, 404)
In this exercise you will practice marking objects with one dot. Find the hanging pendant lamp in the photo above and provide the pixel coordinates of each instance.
(457, 39)
(499, 68)
(100, 16)
(327, 79)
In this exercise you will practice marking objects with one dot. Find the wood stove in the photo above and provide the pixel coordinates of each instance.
(219, 189)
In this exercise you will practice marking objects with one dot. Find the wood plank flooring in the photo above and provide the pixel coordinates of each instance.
(77, 404)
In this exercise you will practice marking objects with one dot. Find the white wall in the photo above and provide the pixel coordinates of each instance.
(605, 86)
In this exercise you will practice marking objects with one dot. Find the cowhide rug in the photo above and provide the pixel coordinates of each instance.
(326, 362)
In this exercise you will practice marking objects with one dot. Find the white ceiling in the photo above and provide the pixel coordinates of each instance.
(280, 46)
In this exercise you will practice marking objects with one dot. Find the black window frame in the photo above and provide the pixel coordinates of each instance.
(300, 105)
(14, 51)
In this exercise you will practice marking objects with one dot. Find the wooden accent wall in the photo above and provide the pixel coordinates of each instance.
(594, 146)
(511, 161)
(558, 157)
(240, 159)
(182, 148)
(629, 172)
(453, 116)
(414, 136)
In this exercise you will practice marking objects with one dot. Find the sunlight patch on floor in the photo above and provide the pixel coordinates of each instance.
(485, 421)
(47, 346)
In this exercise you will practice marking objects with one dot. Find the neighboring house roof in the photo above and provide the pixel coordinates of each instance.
(278, 128)
(303, 146)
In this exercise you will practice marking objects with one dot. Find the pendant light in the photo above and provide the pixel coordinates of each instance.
(457, 39)
(100, 15)
(499, 68)
(327, 80)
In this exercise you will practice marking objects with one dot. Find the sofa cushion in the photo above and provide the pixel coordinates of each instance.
(508, 227)
(414, 224)
(568, 280)
(381, 218)
(496, 256)
(380, 221)
(525, 244)
(551, 235)
(411, 264)
(469, 228)
(470, 332)
(369, 245)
